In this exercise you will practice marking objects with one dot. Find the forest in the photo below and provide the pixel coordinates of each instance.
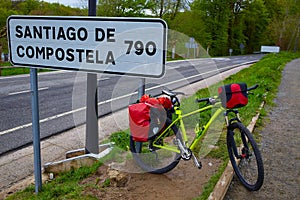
(219, 26)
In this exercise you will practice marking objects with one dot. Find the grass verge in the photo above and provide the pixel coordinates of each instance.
(266, 73)
(7, 70)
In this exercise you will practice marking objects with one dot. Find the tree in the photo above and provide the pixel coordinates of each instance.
(284, 26)
(122, 8)
(215, 15)
(236, 25)
(6, 10)
(256, 21)
(161, 8)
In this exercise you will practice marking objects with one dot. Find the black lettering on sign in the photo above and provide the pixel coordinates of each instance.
(40, 51)
(52, 32)
(50, 52)
(19, 33)
(61, 34)
(89, 56)
(27, 32)
(70, 55)
(80, 52)
(139, 47)
(98, 60)
(82, 34)
(20, 51)
(100, 35)
(110, 58)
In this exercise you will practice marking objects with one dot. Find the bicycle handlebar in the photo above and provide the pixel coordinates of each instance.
(202, 100)
(253, 87)
(210, 100)
(173, 96)
(213, 100)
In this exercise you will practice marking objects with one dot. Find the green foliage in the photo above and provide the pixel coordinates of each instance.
(215, 15)
(229, 23)
(64, 186)
(284, 26)
(16, 70)
(217, 25)
(121, 139)
(256, 20)
(123, 8)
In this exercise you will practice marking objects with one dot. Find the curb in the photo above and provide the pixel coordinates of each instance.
(222, 185)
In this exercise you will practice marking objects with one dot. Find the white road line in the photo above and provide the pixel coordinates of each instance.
(107, 101)
(43, 120)
(27, 91)
(102, 79)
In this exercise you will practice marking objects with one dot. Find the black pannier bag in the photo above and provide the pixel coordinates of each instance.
(233, 95)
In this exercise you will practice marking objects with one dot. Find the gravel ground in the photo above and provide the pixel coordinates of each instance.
(280, 144)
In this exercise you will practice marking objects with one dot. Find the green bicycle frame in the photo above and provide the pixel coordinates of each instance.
(199, 133)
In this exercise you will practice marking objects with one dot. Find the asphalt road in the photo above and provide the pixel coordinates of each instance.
(62, 96)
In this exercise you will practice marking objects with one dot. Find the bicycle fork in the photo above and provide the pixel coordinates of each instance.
(187, 154)
(245, 149)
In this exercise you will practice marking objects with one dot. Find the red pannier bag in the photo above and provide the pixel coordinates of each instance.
(233, 95)
(146, 119)
(165, 102)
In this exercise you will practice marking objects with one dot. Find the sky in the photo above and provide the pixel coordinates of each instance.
(72, 3)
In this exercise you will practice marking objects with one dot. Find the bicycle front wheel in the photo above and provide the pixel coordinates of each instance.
(245, 156)
(153, 159)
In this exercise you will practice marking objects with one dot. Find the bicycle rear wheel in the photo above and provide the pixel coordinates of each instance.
(156, 160)
(245, 156)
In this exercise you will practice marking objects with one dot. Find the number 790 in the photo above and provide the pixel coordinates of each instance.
(139, 47)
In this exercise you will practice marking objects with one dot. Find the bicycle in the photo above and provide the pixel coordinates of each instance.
(163, 152)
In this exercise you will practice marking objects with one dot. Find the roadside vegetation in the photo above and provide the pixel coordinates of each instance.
(266, 73)
(218, 26)
(7, 70)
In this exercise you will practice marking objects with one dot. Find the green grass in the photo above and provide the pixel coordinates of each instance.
(10, 71)
(65, 186)
(266, 73)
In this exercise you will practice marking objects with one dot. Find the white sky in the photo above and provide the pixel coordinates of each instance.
(72, 3)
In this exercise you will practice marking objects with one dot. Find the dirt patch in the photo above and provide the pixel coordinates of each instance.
(183, 182)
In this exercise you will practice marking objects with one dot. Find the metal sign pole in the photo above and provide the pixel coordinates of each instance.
(36, 129)
(141, 89)
(92, 136)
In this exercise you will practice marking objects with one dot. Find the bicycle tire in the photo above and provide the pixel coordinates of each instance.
(157, 161)
(249, 171)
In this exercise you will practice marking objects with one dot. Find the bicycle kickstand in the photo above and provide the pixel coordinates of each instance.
(197, 163)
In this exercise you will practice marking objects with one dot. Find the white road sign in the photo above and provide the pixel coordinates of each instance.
(130, 46)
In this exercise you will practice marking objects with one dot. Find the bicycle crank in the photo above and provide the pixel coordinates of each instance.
(185, 152)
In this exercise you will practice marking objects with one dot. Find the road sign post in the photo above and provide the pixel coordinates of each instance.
(36, 129)
(92, 133)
